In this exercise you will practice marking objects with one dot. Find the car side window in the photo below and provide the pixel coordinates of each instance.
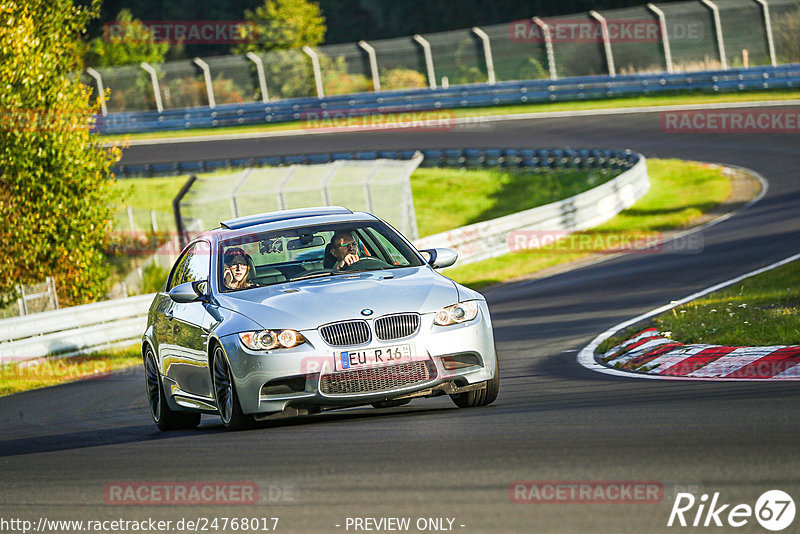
(192, 266)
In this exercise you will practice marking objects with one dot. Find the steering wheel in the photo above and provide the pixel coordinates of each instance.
(366, 264)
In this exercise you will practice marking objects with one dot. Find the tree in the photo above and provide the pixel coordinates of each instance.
(283, 24)
(55, 191)
(125, 41)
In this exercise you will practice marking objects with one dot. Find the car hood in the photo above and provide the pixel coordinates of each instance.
(307, 304)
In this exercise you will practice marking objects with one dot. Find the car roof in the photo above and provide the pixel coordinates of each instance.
(278, 220)
(283, 215)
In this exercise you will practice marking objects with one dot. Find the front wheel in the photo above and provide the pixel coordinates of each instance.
(483, 396)
(230, 411)
(164, 417)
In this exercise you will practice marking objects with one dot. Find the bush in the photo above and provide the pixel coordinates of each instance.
(402, 79)
(337, 81)
(55, 195)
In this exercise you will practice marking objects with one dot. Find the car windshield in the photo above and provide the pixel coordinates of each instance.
(262, 259)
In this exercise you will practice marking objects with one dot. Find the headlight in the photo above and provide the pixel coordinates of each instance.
(457, 313)
(271, 339)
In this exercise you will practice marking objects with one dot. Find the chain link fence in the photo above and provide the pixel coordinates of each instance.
(380, 186)
(679, 36)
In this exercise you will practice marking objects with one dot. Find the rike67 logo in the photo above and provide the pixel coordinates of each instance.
(774, 510)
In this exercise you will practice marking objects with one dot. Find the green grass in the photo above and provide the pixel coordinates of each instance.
(25, 376)
(680, 193)
(666, 99)
(450, 198)
(762, 310)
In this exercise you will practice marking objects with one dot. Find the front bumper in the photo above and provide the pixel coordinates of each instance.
(298, 380)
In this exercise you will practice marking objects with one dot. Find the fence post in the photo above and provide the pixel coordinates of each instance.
(153, 221)
(235, 191)
(548, 43)
(373, 64)
(662, 22)
(426, 49)
(212, 103)
(768, 28)
(262, 80)
(180, 228)
(606, 42)
(23, 306)
(317, 73)
(487, 53)
(154, 80)
(131, 223)
(101, 91)
(718, 30)
(51, 288)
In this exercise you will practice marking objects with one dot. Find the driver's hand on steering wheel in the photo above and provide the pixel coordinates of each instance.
(348, 260)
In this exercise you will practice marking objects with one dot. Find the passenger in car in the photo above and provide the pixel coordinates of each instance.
(343, 248)
(238, 266)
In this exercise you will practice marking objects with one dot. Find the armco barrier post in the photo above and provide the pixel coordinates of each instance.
(548, 44)
(154, 80)
(212, 103)
(426, 50)
(606, 42)
(768, 30)
(317, 72)
(487, 54)
(101, 92)
(262, 80)
(373, 65)
(718, 32)
(662, 23)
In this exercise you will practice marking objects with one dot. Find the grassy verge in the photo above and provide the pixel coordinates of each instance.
(680, 194)
(667, 99)
(450, 198)
(762, 310)
(23, 376)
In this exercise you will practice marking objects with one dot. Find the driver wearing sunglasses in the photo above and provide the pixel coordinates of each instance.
(345, 249)
(237, 268)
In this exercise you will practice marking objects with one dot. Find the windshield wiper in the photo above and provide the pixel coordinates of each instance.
(311, 275)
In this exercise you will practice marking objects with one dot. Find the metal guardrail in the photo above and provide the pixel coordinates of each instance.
(74, 330)
(488, 239)
(508, 159)
(317, 110)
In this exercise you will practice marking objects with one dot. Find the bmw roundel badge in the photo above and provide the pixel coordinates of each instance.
(366, 312)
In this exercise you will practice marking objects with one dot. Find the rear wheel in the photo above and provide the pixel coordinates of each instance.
(230, 411)
(480, 397)
(164, 417)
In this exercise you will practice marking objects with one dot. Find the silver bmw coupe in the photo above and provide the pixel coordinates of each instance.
(299, 311)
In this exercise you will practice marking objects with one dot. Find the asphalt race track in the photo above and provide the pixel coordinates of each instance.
(553, 421)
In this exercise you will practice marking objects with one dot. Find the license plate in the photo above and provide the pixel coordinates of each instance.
(360, 359)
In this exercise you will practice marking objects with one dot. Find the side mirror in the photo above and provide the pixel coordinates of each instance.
(188, 292)
(439, 258)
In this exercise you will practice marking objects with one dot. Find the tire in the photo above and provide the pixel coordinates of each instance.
(164, 417)
(230, 411)
(480, 397)
(390, 403)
